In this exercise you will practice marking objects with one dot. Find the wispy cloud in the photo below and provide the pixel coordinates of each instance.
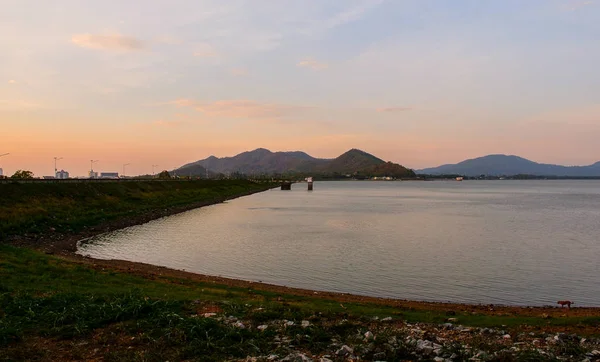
(169, 123)
(107, 42)
(166, 39)
(394, 109)
(17, 104)
(239, 72)
(576, 5)
(12, 81)
(205, 50)
(351, 14)
(312, 64)
(241, 108)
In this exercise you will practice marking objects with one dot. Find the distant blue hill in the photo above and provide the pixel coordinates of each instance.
(504, 165)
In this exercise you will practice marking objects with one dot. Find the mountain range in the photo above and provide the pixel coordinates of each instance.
(505, 165)
(264, 162)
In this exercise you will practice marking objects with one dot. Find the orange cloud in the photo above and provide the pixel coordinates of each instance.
(394, 109)
(238, 108)
(169, 123)
(205, 50)
(239, 72)
(18, 104)
(107, 42)
(312, 64)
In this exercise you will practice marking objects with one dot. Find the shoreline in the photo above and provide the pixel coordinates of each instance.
(64, 246)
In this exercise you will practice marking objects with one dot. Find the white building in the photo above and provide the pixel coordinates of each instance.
(92, 174)
(62, 175)
(1, 172)
(109, 175)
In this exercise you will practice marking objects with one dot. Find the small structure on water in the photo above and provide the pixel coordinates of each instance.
(310, 183)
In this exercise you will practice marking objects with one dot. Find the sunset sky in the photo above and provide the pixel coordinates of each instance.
(418, 82)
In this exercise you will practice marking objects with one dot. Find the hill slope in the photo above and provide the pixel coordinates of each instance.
(263, 161)
(499, 165)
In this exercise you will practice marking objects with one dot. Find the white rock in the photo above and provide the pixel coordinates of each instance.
(297, 357)
(208, 315)
(239, 325)
(262, 327)
(387, 319)
(344, 351)
(289, 323)
(369, 336)
(305, 324)
(323, 359)
(272, 357)
(438, 359)
(506, 336)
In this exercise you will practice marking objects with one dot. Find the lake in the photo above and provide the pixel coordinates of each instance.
(501, 242)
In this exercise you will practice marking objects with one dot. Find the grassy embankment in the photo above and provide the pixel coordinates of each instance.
(38, 209)
(52, 308)
(57, 309)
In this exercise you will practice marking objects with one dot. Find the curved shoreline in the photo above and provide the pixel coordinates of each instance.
(65, 247)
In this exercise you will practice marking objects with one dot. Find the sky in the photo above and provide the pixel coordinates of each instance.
(417, 82)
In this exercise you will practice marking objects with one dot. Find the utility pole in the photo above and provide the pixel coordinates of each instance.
(2, 155)
(153, 166)
(92, 162)
(124, 165)
(56, 169)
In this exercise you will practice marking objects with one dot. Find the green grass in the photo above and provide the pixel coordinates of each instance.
(47, 298)
(38, 208)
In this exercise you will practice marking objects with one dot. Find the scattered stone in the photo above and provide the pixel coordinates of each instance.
(209, 315)
(439, 359)
(305, 324)
(369, 336)
(239, 325)
(506, 336)
(262, 327)
(379, 356)
(387, 319)
(452, 320)
(297, 357)
(289, 323)
(325, 359)
(344, 351)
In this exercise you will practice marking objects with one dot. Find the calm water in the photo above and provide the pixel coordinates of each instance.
(509, 242)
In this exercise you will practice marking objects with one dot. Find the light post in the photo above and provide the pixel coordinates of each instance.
(153, 166)
(92, 162)
(56, 169)
(2, 155)
(124, 165)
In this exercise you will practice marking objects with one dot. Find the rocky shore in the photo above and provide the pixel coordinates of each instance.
(388, 339)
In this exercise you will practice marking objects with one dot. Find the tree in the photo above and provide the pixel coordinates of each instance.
(22, 174)
(164, 174)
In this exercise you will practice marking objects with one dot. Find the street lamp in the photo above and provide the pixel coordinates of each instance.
(2, 155)
(92, 162)
(56, 159)
(124, 165)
